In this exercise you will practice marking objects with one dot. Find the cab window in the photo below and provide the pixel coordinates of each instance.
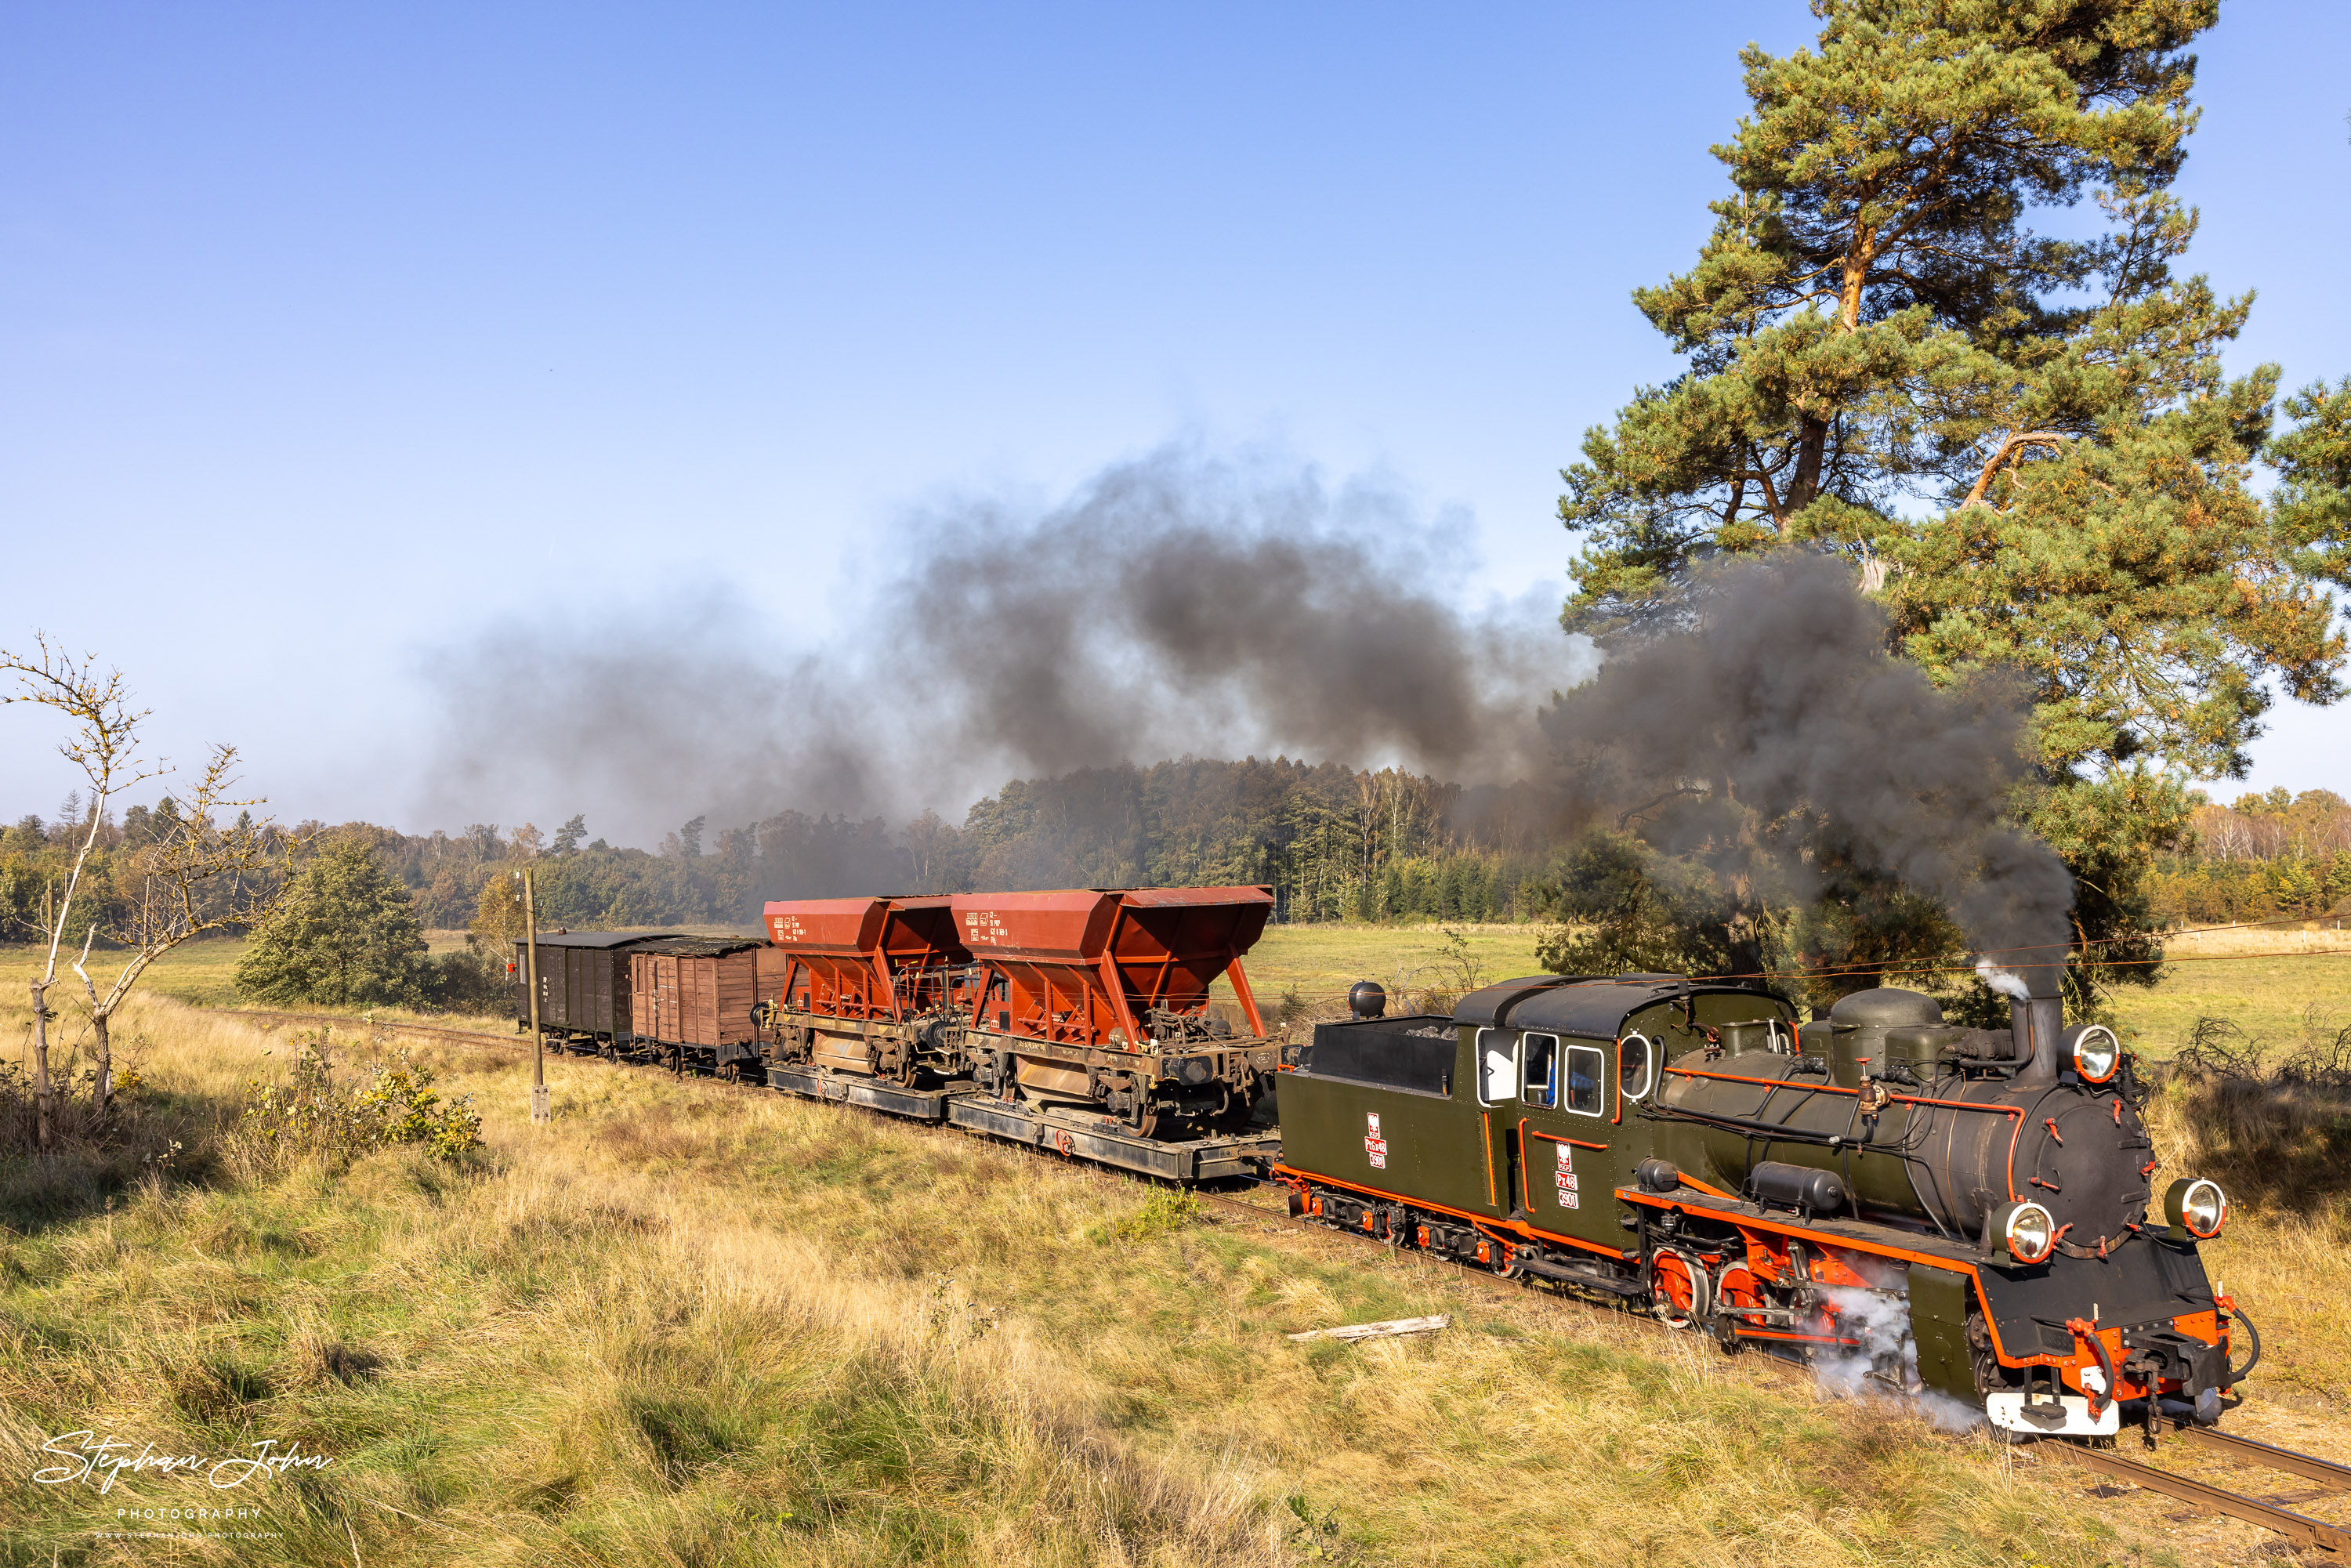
(1497, 1067)
(1539, 1085)
(1586, 1065)
(1634, 1063)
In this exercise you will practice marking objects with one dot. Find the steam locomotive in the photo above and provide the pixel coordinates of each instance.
(1955, 1213)
(1969, 1214)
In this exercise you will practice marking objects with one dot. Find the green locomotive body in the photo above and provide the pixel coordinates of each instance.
(1884, 1193)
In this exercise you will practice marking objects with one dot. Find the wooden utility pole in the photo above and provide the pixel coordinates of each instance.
(540, 1112)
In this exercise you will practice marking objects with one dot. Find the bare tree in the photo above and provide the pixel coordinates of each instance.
(104, 745)
(200, 876)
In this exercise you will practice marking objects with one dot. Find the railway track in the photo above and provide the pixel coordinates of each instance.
(2295, 1526)
(2289, 1523)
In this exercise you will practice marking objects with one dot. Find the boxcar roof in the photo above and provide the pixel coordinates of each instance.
(597, 938)
(1598, 1009)
(703, 946)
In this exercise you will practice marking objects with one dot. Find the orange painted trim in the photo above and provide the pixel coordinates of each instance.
(1516, 1228)
(1958, 1104)
(1240, 979)
(1767, 1083)
(1486, 1139)
(2073, 1364)
(1710, 1191)
(1556, 1138)
(1782, 1228)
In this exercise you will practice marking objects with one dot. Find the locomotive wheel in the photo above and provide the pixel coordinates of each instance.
(1737, 1294)
(1677, 1287)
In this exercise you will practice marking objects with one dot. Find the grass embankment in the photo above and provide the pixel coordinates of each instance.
(693, 1324)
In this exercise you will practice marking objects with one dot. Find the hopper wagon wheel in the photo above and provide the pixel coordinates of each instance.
(1145, 1118)
(607, 1052)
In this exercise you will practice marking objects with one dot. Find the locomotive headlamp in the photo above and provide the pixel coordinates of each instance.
(2094, 1052)
(2196, 1206)
(2026, 1230)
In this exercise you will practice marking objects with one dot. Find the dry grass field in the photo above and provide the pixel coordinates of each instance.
(2273, 983)
(695, 1324)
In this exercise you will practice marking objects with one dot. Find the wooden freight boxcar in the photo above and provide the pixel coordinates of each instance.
(583, 986)
(693, 1001)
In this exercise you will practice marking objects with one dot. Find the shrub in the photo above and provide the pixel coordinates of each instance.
(315, 1112)
(345, 936)
(470, 982)
(2271, 1122)
(1163, 1211)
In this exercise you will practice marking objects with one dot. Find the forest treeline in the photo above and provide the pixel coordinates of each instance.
(1334, 843)
(2278, 856)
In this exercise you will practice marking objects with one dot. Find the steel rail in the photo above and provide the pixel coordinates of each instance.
(2309, 1467)
(2294, 1526)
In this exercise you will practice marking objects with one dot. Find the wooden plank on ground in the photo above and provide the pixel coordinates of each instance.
(1378, 1331)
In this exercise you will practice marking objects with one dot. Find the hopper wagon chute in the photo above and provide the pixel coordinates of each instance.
(867, 985)
(1099, 998)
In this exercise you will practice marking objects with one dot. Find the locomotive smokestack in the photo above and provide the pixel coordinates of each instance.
(2036, 1014)
(2036, 1022)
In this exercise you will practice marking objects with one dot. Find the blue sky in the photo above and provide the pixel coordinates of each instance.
(331, 336)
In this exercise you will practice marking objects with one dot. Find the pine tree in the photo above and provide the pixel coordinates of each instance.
(346, 934)
(2026, 445)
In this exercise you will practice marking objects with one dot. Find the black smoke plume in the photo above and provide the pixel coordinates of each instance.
(1176, 605)
(1771, 725)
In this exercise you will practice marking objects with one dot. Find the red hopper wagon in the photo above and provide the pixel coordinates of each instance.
(867, 985)
(1076, 1021)
(1098, 997)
